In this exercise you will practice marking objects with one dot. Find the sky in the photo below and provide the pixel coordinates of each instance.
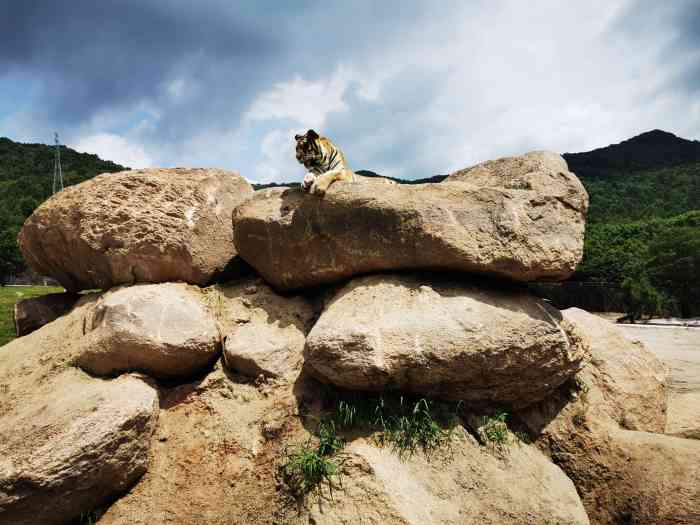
(406, 88)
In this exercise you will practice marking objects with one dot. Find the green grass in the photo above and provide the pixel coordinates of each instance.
(307, 469)
(9, 295)
(496, 429)
(406, 423)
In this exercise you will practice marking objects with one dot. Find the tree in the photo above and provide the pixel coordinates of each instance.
(10, 258)
(675, 266)
(641, 298)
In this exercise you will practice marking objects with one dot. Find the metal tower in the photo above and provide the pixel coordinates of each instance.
(57, 171)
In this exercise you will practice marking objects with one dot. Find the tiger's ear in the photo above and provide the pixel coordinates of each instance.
(297, 137)
(311, 134)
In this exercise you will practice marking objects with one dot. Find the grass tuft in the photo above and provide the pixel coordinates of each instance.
(307, 469)
(404, 422)
(496, 428)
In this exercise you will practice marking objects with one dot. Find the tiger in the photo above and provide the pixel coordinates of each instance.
(324, 162)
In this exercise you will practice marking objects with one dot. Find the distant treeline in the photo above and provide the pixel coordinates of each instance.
(25, 182)
(642, 246)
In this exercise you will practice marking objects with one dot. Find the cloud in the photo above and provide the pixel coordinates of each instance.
(115, 148)
(408, 88)
(278, 157)
(306, 102)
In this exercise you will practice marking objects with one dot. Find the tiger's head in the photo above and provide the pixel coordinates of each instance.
(308, 150)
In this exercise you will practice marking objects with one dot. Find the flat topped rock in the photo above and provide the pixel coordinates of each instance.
(524, 221)
(153, 225)
(458, 341)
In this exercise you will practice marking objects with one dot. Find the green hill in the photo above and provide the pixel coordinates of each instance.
(643, 233)
(26, 172)
(652, 150)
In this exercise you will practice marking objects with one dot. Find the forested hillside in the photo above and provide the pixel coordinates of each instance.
(25, 182)
(643, 231)
(642, 238)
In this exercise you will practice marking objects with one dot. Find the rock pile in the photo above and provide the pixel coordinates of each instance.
(188, 397)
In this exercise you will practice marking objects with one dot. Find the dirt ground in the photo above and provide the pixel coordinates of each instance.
(679, 348)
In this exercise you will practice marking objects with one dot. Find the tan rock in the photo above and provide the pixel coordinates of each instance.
(163, 330)
(525, 231)
(543, 172)
(214, 458)
(68, 442)
(31, 314)
(630, 378)
(623, 476)
(264, 332)
(684, 415)
(219, 445)
(456, 340)
(154, 225)
(678, 348)
(471, 486)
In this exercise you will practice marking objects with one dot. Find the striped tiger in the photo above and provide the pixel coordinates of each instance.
(324, 161)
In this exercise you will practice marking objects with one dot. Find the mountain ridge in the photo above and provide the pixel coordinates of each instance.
(650, 150)
(648, 180)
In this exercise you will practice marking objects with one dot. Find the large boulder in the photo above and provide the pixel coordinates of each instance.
(31, 314)
(524, 230)
(472, 486)
(544, 172)
(630, 378)
(478, 344)
(153, 225)
(68, 442)
(264, 332)
(164, 330)
(622, 475)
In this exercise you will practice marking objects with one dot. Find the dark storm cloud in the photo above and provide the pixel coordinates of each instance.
(90, 55)
(414, 87)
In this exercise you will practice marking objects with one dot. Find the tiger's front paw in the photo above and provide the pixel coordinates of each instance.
(308, 181)
(320, 186)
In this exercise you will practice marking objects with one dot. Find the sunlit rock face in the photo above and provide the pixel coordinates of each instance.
(153, 225)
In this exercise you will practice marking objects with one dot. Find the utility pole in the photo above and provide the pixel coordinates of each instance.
(57, 171)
